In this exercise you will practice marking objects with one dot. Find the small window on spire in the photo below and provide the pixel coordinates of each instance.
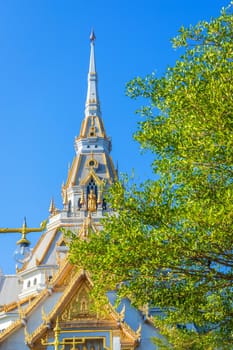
(92, 163)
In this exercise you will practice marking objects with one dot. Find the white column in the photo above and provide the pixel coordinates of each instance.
(116, 343)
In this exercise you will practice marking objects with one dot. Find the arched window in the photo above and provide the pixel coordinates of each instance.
(29, 284)
(92, 186)
(92, 195)
(35, 281)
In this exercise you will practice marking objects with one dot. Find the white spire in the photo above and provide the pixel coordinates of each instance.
(92, 101)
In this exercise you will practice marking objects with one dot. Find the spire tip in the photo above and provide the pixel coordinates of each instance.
(92, 36)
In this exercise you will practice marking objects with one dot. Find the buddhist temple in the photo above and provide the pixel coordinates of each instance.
(47, 304)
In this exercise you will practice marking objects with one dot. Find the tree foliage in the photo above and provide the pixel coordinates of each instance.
(171, 242)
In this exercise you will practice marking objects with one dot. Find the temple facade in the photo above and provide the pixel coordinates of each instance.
(47, 304)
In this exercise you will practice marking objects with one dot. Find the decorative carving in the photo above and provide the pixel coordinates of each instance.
(69, 277)
(91, 162)
(82, 199)
(44, 315)
(92, 131)
(65, 198)
(79, 307)
(52, 208)
(88, 224)
(91, 175)
(21, 312)
(27, 336)
(13, 326)
(122, 314)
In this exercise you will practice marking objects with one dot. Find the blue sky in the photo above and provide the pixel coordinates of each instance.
(44, 57)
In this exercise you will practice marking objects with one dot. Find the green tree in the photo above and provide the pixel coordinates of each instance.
(171, 243)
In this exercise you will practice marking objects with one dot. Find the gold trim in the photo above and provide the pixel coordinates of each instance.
(18, 323)
(83, 128)
(65, 198)
(39, 261)
(64, 270)
(13, 327)
(101, 127)
(92, 128)
(54, 313)
(86, 226)
(82, 340)
(43, 294)
(91, 174)
(24, 230)
(33, 251)
(129, 338)
(86, 129)
(72, 174)
(113, 169)
(107, 170)
(52, 208)
(15, 304)
(91, 159)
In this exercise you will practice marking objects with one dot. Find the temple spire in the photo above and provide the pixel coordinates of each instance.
(92, 101)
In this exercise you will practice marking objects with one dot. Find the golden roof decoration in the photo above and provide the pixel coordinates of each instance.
(89, 176)
(52, 208)
(87, 226)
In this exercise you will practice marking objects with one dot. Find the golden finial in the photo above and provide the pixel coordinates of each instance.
(65, 198)
(20, 311)
(56, 341)
(57, 327)
(27, 335)
(122, 314)
(82, 201)
(42, 225)
(52, 207)
(44, 316)
(139, 331)
(23, 239)
(145, 310)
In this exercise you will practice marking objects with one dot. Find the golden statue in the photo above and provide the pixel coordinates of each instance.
(91, 205)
